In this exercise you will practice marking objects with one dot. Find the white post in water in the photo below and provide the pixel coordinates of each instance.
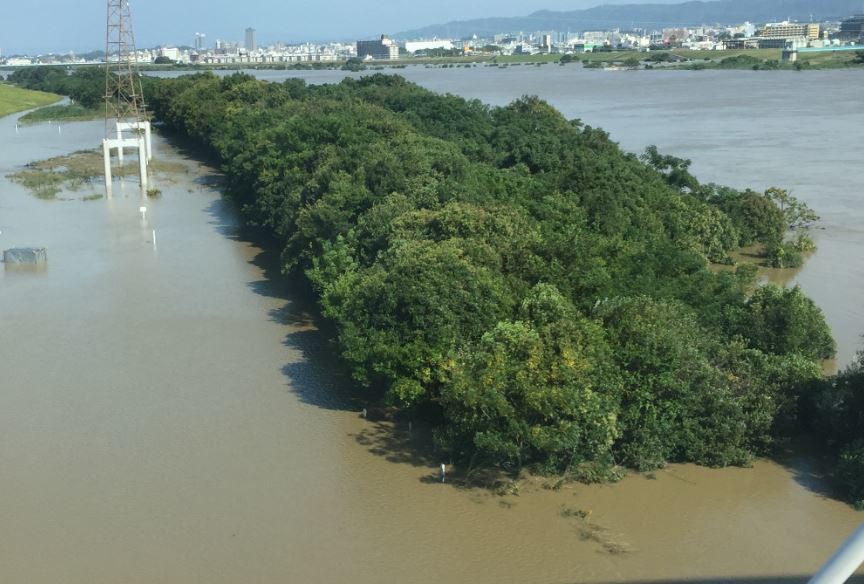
(154, 239)
(844, 562)
(142, 164)
(120, 149)
(106, 158)
(147, 141)
(110, 144)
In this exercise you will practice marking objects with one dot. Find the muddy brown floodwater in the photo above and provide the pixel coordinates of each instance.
(172, 414)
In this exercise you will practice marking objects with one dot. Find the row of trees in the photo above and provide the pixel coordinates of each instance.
(540, 296)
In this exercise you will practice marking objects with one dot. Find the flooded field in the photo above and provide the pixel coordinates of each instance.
(170, 412)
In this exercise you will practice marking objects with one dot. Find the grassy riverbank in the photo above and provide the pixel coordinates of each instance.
(62, 113)
(15, 99)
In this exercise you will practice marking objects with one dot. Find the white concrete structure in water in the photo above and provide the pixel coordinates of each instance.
(138, 128)
(140, 139)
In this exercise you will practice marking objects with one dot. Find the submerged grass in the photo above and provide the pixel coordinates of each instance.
(61, 113)
(589, 531)
(47, 178)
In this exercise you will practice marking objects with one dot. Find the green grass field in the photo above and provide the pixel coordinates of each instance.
(15, 99)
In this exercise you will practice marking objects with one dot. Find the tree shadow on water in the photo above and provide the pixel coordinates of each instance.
(807, 467)
(395, 442)
(316, 375)
(224, 219)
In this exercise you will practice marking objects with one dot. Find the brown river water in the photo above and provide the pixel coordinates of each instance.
(172, 413)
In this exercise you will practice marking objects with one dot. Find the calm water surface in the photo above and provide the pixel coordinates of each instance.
(171, 413)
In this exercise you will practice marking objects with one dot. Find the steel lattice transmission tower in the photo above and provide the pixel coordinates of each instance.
(125, 113)
(124, 99)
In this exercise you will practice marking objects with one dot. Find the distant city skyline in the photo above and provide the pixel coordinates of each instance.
(61, 26)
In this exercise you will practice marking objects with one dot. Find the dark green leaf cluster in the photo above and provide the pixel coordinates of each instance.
(541, 296)
(834, 410)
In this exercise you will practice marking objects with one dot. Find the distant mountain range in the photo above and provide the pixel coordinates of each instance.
(629, 16)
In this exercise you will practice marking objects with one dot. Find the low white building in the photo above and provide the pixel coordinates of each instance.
(414, 46)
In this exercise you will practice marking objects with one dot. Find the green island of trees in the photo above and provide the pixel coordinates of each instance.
(542, 298)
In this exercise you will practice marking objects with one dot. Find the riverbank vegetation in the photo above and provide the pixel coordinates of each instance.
(16, 99)
(539, 296)
(62, 113)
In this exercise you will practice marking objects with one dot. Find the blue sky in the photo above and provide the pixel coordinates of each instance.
(79, 25)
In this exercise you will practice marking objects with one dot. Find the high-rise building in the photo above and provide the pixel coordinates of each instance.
(251, 41)
(384, 49)
(852, 29)
(776, 30)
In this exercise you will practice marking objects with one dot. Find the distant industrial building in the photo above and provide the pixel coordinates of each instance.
(414, 46)
(792, 43)
(251, 42)
(172, 53)
(384, 49)
(788, 30)
(852, 29)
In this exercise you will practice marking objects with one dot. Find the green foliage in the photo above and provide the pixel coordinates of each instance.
(834, 411)
(534, 389)
(676, 170)
(784, 321)
(849, 472)
(659, 57)
(784, 255)
(796, 213)
(354, 64)
(740, 62)
(684, 396)
(756, 216)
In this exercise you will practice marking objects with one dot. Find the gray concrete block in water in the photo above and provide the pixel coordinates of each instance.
(30, 256)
